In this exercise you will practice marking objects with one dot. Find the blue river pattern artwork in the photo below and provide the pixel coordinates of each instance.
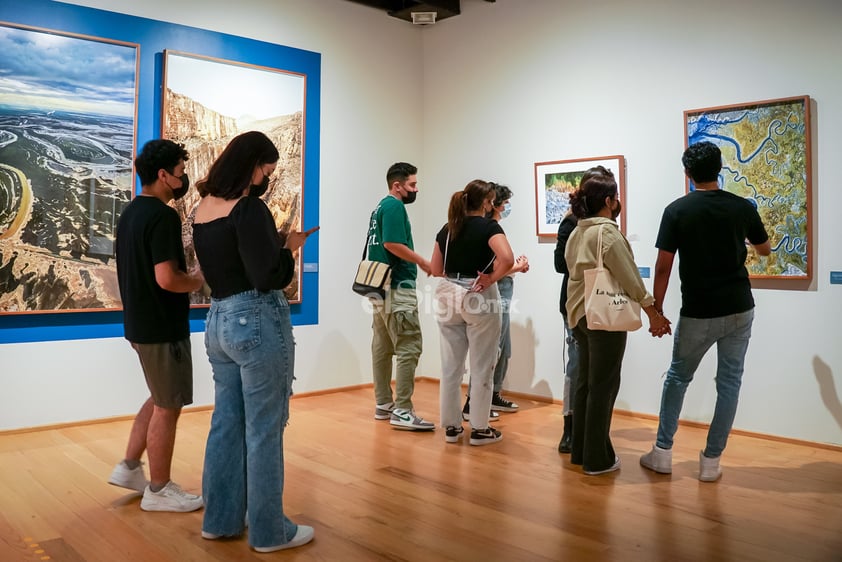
(765, 159)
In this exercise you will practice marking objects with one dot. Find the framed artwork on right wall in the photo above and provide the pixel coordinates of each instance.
(766, 158)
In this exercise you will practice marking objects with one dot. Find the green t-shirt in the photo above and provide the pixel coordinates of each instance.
(390, 223)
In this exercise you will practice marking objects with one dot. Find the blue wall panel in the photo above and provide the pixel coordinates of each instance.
(154, 37)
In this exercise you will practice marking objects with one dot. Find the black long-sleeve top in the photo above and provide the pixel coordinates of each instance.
(564, 229)
(243, 251)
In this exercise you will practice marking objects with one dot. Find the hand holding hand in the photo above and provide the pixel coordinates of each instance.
(659, 325)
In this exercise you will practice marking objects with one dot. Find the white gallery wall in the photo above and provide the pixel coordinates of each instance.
(487, 94)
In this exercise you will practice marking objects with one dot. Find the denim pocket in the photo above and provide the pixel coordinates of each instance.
(241, 329)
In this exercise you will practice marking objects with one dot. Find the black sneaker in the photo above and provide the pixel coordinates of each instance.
(485, 436)
(466, 413)
(501, 404)
(453, 433)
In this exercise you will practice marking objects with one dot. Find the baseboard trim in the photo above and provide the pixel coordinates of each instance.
(523, 395)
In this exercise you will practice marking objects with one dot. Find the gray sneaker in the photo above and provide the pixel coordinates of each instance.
(659, 460)
(170, 498)
(383, 411)
(709, 469)
(125, 477)
(406, 419)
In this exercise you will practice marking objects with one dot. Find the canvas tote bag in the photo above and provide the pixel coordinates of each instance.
(607, 306)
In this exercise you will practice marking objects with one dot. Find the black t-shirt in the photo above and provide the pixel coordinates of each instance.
(708, 230)
(149, 233)
(243, 251)
(469, 252)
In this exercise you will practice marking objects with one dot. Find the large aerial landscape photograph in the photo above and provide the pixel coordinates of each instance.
(67, 136)
(204, 117)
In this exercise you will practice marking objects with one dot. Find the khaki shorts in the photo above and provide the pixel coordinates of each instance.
(168, 368)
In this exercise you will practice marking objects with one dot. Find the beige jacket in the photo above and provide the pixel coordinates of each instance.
(580, 255)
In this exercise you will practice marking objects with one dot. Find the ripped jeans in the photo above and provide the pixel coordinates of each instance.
(251, 350)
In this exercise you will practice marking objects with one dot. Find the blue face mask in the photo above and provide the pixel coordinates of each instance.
(507, 209)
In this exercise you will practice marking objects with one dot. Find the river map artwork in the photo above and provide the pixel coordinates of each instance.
(67, 135)
(766, 159)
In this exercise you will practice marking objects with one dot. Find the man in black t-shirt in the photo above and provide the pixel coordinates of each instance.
(708, 228)
(153, 287)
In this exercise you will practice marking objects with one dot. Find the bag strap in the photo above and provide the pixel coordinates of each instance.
(599, 248)
(365, 244)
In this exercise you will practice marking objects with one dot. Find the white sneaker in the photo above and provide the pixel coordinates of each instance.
(612, 468)
(303, 535)
(658, 459)
(709, 470)
(170, 498)
(125, 477)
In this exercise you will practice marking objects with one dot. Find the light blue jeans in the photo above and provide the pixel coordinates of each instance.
(467, 321)
(572, 370)
(506, 286)
(251, 350)
(693, 338)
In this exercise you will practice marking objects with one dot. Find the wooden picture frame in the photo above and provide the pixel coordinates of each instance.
(68, 112)
(766, 158)
(200, 112)
(555, 180)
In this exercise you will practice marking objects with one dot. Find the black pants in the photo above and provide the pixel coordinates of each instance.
(600, 359)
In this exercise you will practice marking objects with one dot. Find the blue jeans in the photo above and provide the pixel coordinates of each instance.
(251, 350)
(571, 372)
(693, 337)
(506, 286)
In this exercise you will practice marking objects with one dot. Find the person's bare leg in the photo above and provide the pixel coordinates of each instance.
(160, 442)
(140, 429)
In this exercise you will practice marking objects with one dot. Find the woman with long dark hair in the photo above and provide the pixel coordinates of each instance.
(250, 346)
(601, 352)
(471, 253)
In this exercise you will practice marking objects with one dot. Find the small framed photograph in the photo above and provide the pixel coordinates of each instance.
(556, 180)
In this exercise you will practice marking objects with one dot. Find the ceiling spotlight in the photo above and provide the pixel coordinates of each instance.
(424, 18)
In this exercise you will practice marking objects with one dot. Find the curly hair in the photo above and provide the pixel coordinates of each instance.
(158, 154)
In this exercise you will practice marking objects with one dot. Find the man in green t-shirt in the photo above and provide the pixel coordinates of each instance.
(397, 330)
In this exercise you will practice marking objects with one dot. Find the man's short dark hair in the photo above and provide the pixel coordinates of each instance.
(702, 161)
(158, 154)
(400, 171)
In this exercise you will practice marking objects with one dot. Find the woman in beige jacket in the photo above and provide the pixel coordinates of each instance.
(601, 352)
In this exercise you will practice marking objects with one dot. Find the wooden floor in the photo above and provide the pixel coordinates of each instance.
(374, 493)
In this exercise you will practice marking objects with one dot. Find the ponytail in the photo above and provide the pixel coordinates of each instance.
(462, 202)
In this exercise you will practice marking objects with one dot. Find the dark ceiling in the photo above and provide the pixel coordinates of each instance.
(403, 9)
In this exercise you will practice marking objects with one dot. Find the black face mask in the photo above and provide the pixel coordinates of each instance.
(616, 212)
(259, 189)
(180, 192)
(410, 197)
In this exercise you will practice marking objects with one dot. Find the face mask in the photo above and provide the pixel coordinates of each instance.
(615, 212)
(507, 210)
(259, 189)
(180, 192)
(410, 197)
